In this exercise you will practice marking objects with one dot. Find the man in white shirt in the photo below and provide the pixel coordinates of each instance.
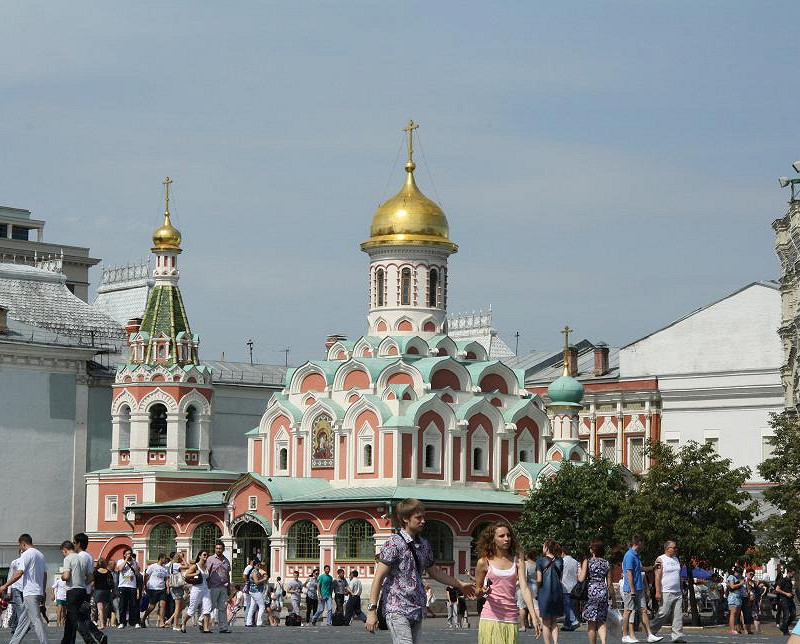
(33, 573)
(353, 607)
(568, 580)
(128, 595)
(155, 579)
(668, 591)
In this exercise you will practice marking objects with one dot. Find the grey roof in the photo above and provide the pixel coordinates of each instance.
(40, 298)
(123, 291)
(244, 373)
(478, 327)
(542, 367)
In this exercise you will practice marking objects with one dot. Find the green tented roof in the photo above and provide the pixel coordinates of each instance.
(165, 314)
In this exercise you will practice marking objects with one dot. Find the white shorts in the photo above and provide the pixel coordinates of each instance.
(199, 599)
(521, 603)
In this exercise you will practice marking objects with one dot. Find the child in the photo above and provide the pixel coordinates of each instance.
(497, 574)
(461, 604)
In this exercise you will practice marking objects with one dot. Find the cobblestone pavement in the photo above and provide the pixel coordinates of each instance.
(433, 632)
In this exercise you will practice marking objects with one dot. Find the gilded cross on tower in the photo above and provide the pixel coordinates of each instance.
(410, 129)
(567, 369)
(167, 183)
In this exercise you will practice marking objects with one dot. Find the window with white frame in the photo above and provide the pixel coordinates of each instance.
(129, 500)
(636, 455)
(252, 503)
(767, 448)
(608, 449)
(432, 450)
(480, 453)
(366, 450)
(526, 448)
(112, 505)
(282, 452)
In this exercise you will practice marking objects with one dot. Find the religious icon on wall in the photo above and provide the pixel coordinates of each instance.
(322, 442)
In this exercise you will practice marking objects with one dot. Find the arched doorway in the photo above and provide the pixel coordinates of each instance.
(251, 541)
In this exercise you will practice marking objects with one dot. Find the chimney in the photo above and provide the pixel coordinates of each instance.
(133, 326)
(333, 339)
(573, 360)
(600, 359)
(3, 319)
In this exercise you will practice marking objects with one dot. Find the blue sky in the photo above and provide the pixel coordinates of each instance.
(608, 164)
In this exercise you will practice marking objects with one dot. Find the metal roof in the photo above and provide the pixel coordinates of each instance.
(244, 373)
(431, 494)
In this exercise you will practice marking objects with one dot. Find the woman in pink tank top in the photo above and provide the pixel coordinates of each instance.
(497, 576)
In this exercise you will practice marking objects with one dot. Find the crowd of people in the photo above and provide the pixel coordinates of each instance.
(515, 591)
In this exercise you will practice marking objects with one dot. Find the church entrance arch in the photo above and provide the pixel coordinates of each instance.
(251, 541)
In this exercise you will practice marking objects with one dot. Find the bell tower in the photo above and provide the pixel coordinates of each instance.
(408, 247)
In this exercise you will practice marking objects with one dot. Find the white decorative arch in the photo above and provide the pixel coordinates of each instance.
(319, 407)
(304, 370)
(432, 439)
(365, 345)
(366, 440)
(502, 370)
(530, 410)
(460, 371)
(197, 399)
(281, 442)
(386, 344)
(400, 367)
(125, 398)
(548, 470)
(477, 348)
(347, 368)
(278, 409)
(441, 408)
(446, 343)
(405, 318)
(525, 443)
(336, 347)
(483, 406)
(359, 406)
(480, 441)
(158, 395)
(436, 324)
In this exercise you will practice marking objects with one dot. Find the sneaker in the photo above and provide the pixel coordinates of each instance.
(654, 638)
(137, 626)
(628, 639)
(120, 626)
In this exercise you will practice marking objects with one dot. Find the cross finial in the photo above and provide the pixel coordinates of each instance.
(410, 129)
(167, 183)
(566, 331)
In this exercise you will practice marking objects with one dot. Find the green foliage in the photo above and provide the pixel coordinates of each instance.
(694, 497)
(580, 503)
(779, 534)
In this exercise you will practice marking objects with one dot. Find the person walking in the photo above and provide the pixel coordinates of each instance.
(668, 593)
(325, 594)
(569, 577)
(294, 587)
(155, 580)
(219, 584)
(256, 584)
(785, 593)
(199, 596)
(734, 583)
(17, 606)
(102, 586)
(60, 599)
(549, 568)
(403, 559)
(634, 599)
(499, 570)
(177, 583)
(596, 571)
(311, 587)
(32, 570)
(452, 606)
(75, 574)
(128, 590)
(251, 563)
(339, 591)
(353, 607)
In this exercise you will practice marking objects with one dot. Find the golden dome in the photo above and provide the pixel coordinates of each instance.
(409, 218)
(166, 236)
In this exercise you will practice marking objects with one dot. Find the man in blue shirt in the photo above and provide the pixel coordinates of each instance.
(633, 593)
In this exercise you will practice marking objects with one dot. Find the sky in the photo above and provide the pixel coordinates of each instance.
(610, 165)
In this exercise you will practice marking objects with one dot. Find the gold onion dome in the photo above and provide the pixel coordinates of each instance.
(409, 218)
(166, 236)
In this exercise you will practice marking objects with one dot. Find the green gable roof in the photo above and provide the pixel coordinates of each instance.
(205, 500)
(453, 494)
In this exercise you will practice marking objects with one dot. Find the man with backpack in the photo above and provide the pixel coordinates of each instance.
(398, 577)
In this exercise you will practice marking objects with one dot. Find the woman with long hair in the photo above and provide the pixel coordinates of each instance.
(176, 565)
(549, 568)
(256, 581)
(102, 584)
(597, 570)
(199, 596)
(500, 568)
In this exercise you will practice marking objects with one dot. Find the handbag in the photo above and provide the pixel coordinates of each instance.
(176, 579)
(580, 591)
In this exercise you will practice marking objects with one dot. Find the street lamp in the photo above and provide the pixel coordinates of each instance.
(786, 181)
(796, 166)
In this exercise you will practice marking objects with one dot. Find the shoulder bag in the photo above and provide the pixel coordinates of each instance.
(176, 578)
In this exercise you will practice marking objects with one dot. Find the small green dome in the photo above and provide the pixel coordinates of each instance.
(565, 390)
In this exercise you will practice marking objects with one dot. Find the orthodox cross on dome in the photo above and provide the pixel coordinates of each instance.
(410, 129)
(566, 331)
(167, 183)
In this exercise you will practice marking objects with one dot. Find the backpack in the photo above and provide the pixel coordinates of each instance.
(293, 619)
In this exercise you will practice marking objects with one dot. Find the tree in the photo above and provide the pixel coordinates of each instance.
(580, 503)
(694, 497)
(779, 534)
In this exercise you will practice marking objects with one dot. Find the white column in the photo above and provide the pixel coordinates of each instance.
(648, 431)
(592, 430)
(414, 452)
(79, 453)
(336, 468)
(463, 478)
(620, 432)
